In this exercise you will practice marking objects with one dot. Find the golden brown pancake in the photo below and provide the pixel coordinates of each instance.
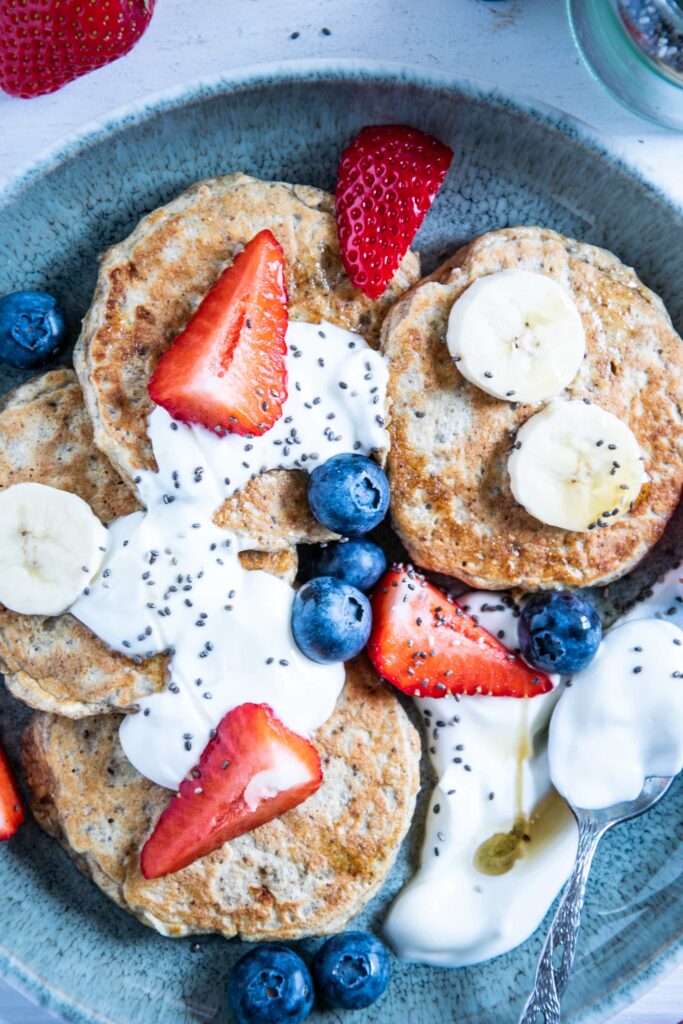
(306, 873)
(56, 664)
(150, 285)
(450, 494)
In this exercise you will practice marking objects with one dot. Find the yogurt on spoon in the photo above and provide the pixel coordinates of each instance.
(622, 719)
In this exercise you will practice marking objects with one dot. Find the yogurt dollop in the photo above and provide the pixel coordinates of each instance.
(499, 842)
(336, 402)
(172, 580)
(622, 719)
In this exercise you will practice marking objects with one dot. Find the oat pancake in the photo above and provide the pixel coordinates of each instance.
(56, 664)
(451, 499)
(150, 284)
(305, 873)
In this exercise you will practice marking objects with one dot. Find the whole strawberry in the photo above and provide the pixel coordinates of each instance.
(387, 179)
(46, 43)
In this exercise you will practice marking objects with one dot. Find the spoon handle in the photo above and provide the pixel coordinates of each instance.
(557, 957)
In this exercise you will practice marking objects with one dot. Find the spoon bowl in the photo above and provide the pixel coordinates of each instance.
(557, 956)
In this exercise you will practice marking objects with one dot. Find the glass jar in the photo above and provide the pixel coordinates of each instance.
(635, 48)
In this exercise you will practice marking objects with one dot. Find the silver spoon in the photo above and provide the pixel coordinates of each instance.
(557, 956)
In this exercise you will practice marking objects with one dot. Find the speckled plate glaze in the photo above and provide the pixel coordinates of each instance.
(60, 939)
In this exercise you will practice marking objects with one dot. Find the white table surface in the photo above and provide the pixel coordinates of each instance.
(521, 45)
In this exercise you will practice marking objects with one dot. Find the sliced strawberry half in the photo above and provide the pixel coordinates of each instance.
(427, 646)
(253, 770)
(387, 179)
(226, 370)
(11, 811)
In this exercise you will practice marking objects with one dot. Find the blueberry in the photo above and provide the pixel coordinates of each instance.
(348, 494)
(32, 328)
(559, 632)
(351, 971)
(270, 985)
(330, 620)
(358, 562)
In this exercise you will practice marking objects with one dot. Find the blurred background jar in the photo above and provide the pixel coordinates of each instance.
(635, 48)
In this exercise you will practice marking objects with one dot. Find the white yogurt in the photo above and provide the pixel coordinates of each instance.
(451, 913)
(622, 719)
(336, 402)
(489, 754)
(172, 580)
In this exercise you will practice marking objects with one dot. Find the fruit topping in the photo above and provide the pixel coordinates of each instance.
(32, 329)
(559, 632)
(270, 985)
(427, 646)
(387, 179)
(331, 620)
(357, 562)
(517, 335)
(576, 466)
(351, 971)
(51, 546)
(348, 494)
(11, 811)
(47, 43)
(226, 369)
(252, 771)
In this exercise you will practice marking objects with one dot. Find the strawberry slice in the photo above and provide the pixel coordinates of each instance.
(387, 179)
(11, 811)
(427, 646)
(46, 43)
(252, 771)
(226, 370)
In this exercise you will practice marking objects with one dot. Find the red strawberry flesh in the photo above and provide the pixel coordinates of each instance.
(233, 789)
(387, 179)
(11, 811)
(46, 43)
(226, 370)
(427, 646)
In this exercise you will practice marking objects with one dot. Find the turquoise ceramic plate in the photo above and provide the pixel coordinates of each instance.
(60, 939)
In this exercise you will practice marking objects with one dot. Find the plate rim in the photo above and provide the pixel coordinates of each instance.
(301, 71)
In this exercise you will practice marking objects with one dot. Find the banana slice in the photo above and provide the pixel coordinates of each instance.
(576, 466)
(517, 335)
(51, 546)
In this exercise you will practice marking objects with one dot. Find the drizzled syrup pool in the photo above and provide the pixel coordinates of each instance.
(172, 580)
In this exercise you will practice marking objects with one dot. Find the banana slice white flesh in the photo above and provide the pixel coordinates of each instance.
(51, 546)
(517, 335)
(576, 466)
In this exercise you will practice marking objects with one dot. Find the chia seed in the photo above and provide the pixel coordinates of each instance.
(654, 32)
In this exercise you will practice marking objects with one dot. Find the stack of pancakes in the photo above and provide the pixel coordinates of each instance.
(312, 869)
(309, 871)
